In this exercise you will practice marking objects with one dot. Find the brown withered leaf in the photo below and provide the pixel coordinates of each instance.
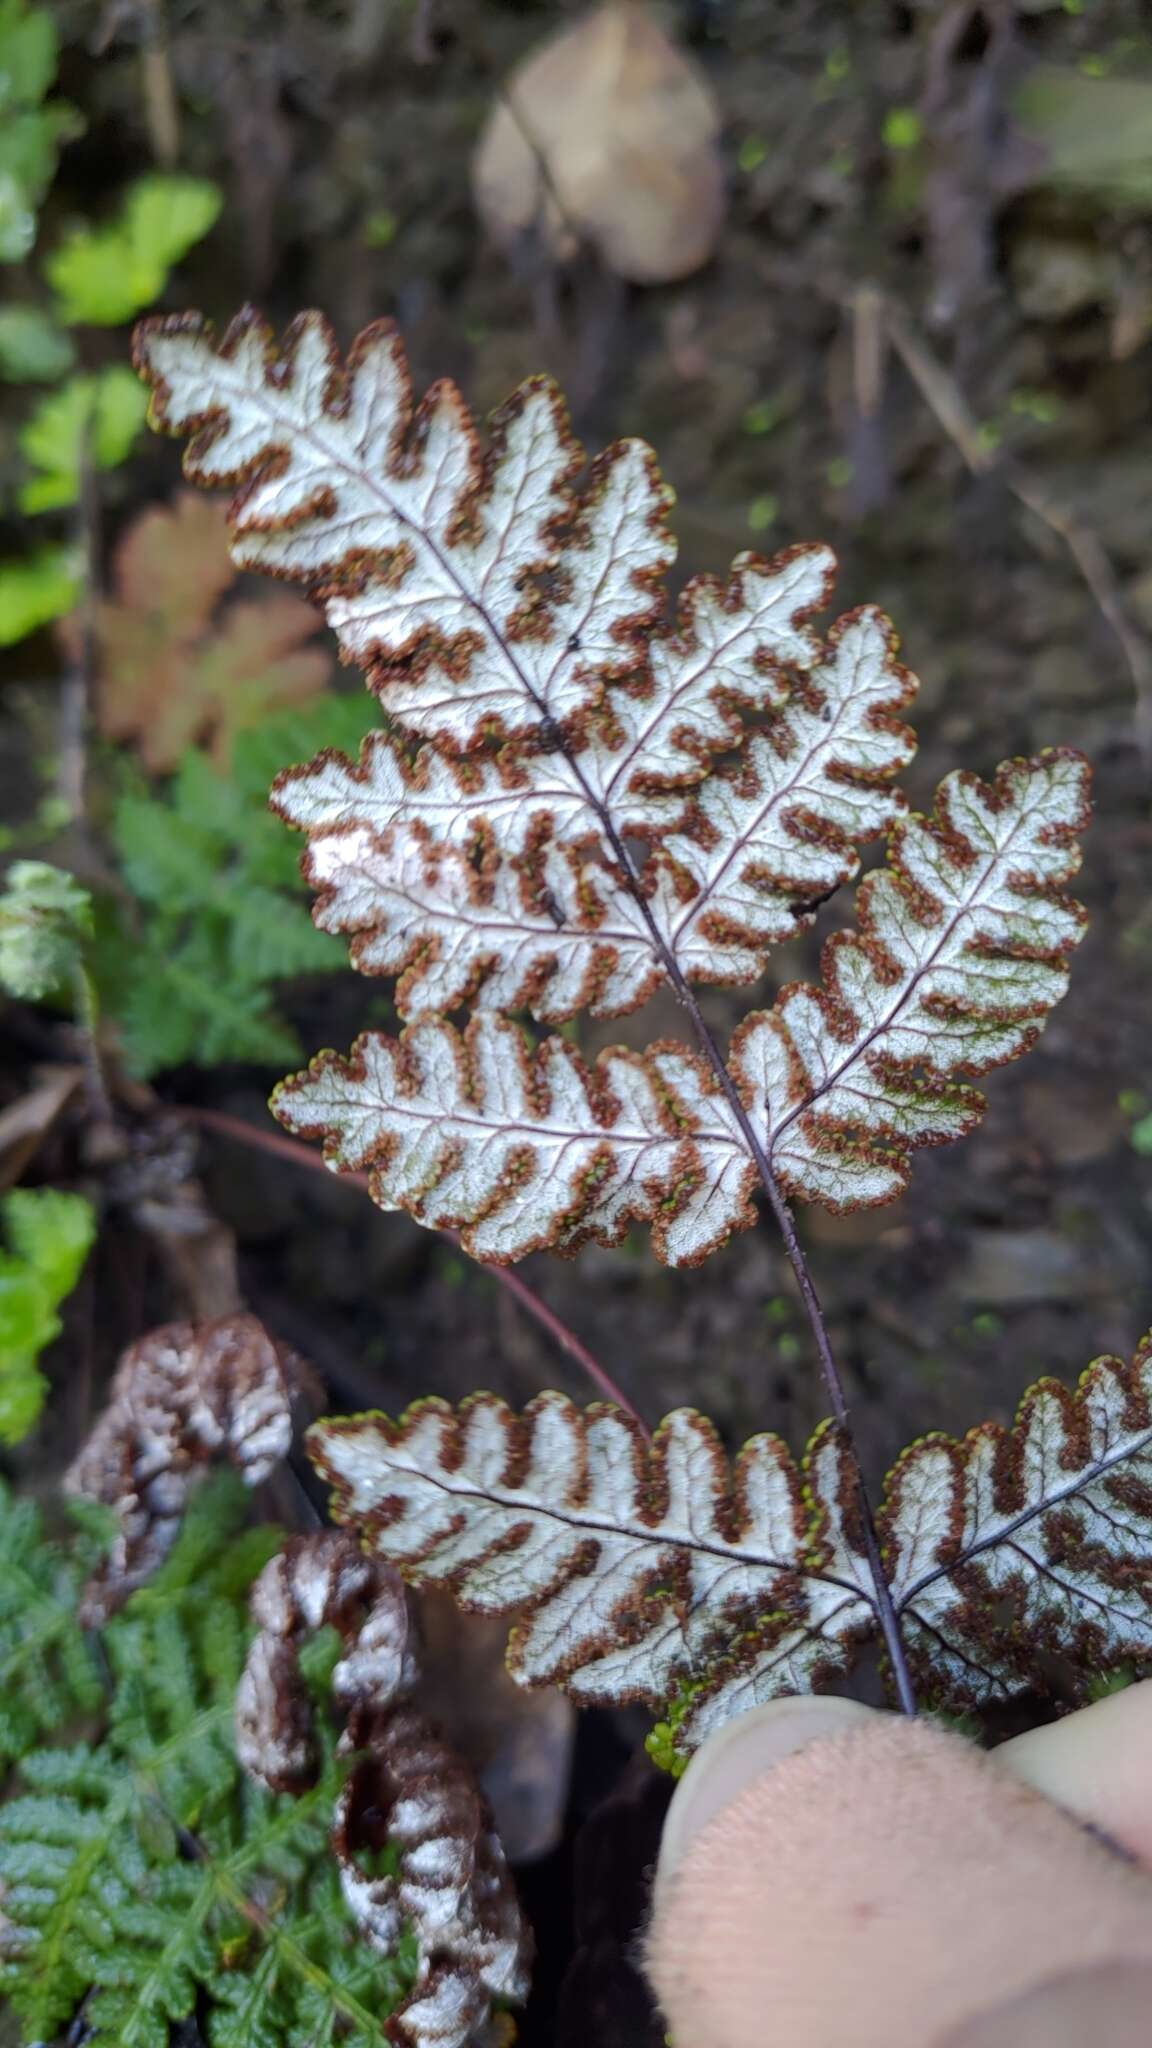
(607, 132)
(182, 1396)
(176, 665)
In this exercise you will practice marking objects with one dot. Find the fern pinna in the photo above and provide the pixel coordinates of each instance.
(547, 826)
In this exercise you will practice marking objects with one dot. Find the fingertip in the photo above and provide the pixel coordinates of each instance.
(744, 1750)
(1096, 1765)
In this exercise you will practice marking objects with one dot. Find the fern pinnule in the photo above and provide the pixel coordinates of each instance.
(627, 1564)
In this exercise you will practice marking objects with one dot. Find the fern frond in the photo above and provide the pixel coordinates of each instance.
(143, 1877)
(181, 1396)
(601, 852)
(630, 1567)
(49, 1671)
(635, 1572)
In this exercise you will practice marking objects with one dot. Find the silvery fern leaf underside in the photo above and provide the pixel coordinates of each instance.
(630, 1566)
(548, 827)
(483, 591)
(962, 950)
(489, 894)
(634, 1570)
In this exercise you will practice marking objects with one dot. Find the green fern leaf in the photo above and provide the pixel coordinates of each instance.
(166, 857)
(223, 911)
(144, 1876)
(186, 1003)
(273, 938)
(49, 1674)
(51, 1234)
(52, 1231)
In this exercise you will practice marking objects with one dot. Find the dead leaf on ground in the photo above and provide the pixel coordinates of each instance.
(176, 665)
(607, 132)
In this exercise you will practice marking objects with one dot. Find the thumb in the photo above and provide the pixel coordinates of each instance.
(831, 1874)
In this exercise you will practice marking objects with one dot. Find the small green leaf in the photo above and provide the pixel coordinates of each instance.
(25, 1316)
(903, 128)
(33, 350)
(53, 1232)
(168, 216)
(1140, 1137)
(102, 276)
(103, 413)
(27, 54)
(22, 1394)
(45, 917)
(41, 587)
(30, 132)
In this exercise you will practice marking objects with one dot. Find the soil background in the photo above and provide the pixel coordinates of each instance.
(343, 138)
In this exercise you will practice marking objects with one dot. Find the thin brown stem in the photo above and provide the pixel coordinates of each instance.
(565, 1339)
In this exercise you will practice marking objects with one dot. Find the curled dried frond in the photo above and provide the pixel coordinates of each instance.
(181, 1397)
(411, 1835)
(415, 1850)
(317, 1581)
(634, 1571)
